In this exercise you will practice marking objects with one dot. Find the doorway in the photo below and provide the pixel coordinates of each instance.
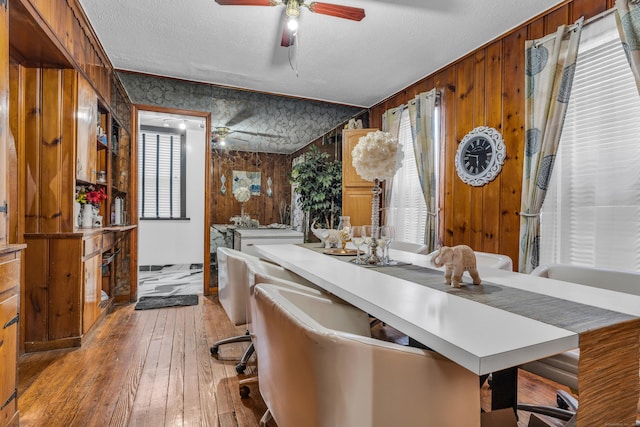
(172, 153)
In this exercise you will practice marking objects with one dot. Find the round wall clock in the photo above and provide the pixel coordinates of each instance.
(480, 156)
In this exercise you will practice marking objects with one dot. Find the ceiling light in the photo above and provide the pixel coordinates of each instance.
(221, 141)
(165, 124)
(292, 12)
(292, 23)
(183, 125)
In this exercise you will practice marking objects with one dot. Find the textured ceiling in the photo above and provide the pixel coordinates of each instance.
(335, 60)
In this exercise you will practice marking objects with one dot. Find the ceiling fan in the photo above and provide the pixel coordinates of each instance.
(219, 134)
(292, 12)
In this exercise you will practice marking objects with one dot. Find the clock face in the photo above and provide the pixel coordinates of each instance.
(477, 155)
(480, 156)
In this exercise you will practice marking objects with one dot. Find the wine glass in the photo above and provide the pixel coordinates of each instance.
(367, 237)
(387, 234)
(358, 235)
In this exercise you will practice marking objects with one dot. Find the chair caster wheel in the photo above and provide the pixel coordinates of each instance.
(214, 350)
(244, 391)
(240, 368)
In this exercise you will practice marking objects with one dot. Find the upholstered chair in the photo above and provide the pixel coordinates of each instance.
(563, 368)
(234, 283)
(319, 367)
(416, 248)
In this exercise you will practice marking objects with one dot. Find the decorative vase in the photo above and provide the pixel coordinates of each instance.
(87, 216)
(344, 225)
(77, 207)
(375, 223)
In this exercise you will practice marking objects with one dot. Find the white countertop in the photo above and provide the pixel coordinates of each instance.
(268, 232)
(481, 338)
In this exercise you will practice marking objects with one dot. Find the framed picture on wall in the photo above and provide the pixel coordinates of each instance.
(251, 180)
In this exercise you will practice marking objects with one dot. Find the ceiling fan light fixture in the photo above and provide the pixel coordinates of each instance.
(292, 23)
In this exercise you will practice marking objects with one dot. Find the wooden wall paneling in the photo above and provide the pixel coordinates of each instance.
(513, 134)
(263, 208)
(493, 118)
(68, 150)
(50, 160)
(16, 152)
(33, 108)
(447, 81)
(587, 8)
(556, 18)
(65, 306)
(463, 124)
(35, 293)
(479, 97)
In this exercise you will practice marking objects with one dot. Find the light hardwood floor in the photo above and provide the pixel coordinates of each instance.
(154, 368)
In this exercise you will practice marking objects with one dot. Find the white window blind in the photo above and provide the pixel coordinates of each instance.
(160, 175)
(591, 214)
(407, 210)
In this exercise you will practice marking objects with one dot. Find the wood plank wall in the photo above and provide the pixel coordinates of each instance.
(263, 208)
(486, 88)
(67, 24)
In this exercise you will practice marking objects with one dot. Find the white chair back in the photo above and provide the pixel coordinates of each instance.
(320, 368)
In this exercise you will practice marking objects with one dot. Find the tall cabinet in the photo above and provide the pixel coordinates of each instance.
(10, 250)
(356, 192)
(72, 120)
(73, 273)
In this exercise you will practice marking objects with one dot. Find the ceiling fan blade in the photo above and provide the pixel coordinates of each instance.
(241, 115)
(288, 37)
(245, 2)
(260, 134)
(346, 12)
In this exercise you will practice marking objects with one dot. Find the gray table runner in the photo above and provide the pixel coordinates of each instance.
(573, 316)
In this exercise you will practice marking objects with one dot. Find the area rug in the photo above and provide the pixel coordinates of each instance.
(148, 303)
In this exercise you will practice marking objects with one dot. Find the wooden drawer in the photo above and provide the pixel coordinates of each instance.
(9, 274)
(92, 244)
(107, 240)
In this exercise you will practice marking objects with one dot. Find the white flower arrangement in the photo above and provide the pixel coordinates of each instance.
(376, 156)
(242, 194)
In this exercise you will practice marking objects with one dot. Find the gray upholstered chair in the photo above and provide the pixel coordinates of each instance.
(319, 367)
(563, 368)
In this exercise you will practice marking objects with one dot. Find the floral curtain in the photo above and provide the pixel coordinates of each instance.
(549, 69)
(391, 124)
(628, 20)
(422, 116)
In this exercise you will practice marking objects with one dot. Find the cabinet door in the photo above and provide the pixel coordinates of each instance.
(350, 138)
(92, 294)
(4, 118)
(86, 131)
(8, 356)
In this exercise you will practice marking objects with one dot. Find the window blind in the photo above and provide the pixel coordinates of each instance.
(160, 175)
(590, 215)
(407, 210)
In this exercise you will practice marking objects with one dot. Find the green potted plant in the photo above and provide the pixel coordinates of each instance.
(319, 185)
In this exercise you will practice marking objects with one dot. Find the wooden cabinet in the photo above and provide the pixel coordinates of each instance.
(4, 120)
(356, 192)
(9, 318)
(86, 131)
(92, 284)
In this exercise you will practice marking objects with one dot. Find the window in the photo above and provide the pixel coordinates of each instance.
(590, 215)
(161, 174)
(407, 210)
